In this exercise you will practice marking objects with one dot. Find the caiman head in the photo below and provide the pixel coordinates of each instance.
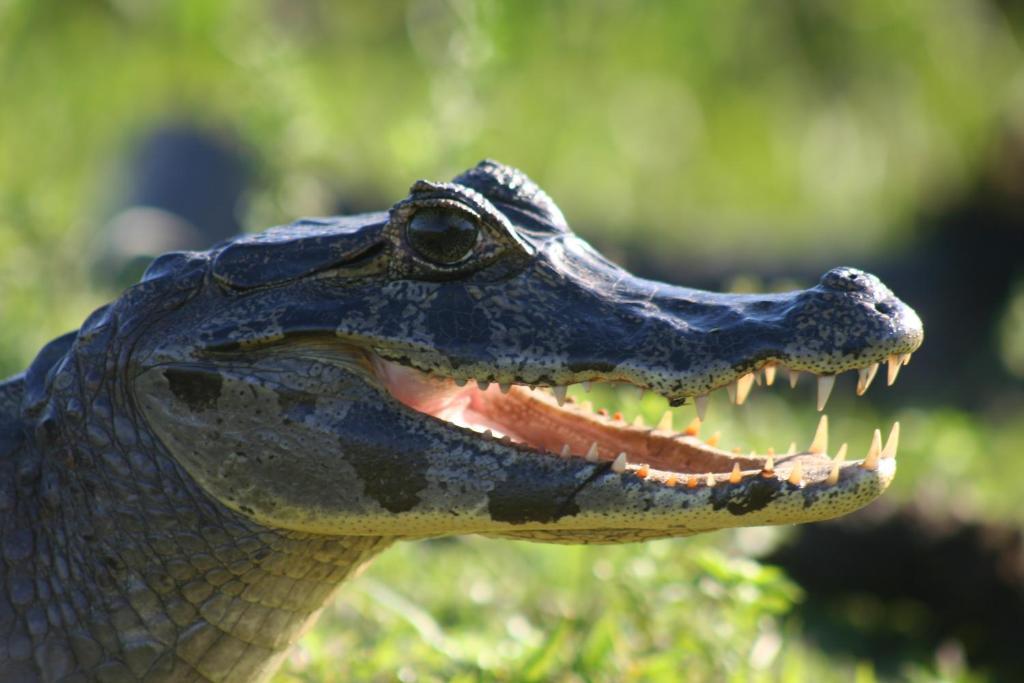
(404, 374)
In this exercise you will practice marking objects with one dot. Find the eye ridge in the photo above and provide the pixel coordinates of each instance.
(442, 237)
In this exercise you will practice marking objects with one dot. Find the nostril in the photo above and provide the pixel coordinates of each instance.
(884, 308)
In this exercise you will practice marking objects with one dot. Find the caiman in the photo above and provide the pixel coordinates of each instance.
(187, 479)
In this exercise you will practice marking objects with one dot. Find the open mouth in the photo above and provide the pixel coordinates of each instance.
(548, 423)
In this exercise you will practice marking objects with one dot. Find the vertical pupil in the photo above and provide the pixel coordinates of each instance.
(442, 236)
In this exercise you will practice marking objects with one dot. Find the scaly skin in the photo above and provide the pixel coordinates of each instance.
(186, 480)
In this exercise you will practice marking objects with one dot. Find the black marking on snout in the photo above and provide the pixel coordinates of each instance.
(391, 477)
(526, 499)
(755, 495)
(198, 388)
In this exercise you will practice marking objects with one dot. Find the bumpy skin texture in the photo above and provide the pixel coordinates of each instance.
(186, 480)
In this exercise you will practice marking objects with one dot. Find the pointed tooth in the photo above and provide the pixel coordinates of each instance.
(825, 384)
(693, 429)
(796, 475)
(691, 482)
(619, 464)
(591, 455)
(482, 385)
(865, 376)
(559, 393)
(792, 448)
(905, 359)
(640, 393)
(461, 382)
(837, 462)
(713, 439)
(794, 377)
(665, 423)
(770, 451)
(769, 464)
(736, 476)
(587, 406)
(638, 421)
(730, 389)
(643, 471)
(820, 442)
(504, 386)
(701, 402)
(743, 385)
(769, 375)
(672, 480)
(757, 378)
(587, 386)
(874, 451)
(894, 369)
(710, 479)
(566, 451)
(893, 442)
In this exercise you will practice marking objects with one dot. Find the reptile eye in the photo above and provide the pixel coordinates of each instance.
(442, 237)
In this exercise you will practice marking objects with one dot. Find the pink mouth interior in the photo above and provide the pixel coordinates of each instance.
(534, 419)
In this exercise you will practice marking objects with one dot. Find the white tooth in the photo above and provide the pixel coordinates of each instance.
(769, 464)
(796, 475)
(730, 389)
(460, 382)
(905, 359)
(504, 387)
(665, 423)
(638, 421)
(825, 384)
(587, 386)
(757, 377)
(560, 394)
(769, 375)
(701, 402)
(820, 442)
(794, 377)
(893, 442)
(566, 451)
(482, 385)
(587, 406)
(591, 455)
(792, 448)
(736, 476)
(619, 464)
(894, 369)
(865, 376)
(837, 462)
(874, 450)
(710, 479)
(743, 385)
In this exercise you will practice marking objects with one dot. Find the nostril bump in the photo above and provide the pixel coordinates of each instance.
(884, 308)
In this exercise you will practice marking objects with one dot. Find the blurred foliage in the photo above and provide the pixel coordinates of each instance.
(734, 130)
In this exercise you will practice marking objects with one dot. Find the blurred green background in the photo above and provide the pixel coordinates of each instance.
(728, 144)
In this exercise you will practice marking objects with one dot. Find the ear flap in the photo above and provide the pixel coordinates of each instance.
(291, 251)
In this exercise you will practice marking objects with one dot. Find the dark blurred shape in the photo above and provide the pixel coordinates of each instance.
(185, 186)
(897, 584)
(960, 277)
